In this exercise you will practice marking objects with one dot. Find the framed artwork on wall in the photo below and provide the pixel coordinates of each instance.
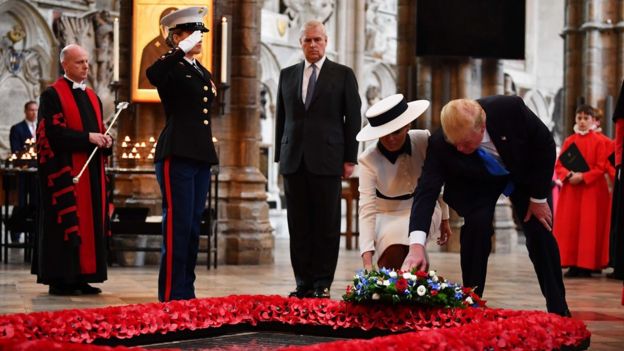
(148, 41)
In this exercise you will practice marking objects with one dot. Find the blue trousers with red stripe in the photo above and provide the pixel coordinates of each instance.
(184, 184)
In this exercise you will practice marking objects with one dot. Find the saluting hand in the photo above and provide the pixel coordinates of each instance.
(189, 42)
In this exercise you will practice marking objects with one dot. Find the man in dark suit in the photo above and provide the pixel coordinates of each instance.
(318, 116)
(24, 130)
(19, 135)
(487, 147)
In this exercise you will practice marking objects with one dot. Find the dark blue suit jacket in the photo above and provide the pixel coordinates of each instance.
(525, 145)
(18, 135)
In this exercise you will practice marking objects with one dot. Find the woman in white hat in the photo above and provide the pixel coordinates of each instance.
(389, 171)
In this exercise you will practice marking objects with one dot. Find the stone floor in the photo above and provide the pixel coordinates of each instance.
(511, 284)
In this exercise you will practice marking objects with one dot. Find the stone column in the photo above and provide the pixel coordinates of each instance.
(245, 232)
(572, 75)
(599, 52)
(619, 29)
(492, 78)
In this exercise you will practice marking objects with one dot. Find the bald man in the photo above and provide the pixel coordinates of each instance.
(70, 251)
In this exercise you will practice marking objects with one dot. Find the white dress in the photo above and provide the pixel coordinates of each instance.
(385, 222)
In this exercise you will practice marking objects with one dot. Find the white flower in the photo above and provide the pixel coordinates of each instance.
(380, 282)
(434, 278)
(432, 273)
(469, 300)
(386, 282)
(407, 275)
(376, 296)
(393, 274)
(421, 290)
(443, 286)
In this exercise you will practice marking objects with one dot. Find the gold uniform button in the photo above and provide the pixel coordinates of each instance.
(205, 99)
(205, 110)
(205, 88)
(206, 122)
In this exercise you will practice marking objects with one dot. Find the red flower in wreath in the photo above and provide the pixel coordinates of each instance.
(401, 285)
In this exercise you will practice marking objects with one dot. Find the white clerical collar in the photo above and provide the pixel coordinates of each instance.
(71, 80)
(82, 86)
(318, 63)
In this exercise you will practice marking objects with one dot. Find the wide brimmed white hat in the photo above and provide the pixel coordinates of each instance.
(390, 115)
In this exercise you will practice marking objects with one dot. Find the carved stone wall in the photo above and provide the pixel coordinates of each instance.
(26, 57)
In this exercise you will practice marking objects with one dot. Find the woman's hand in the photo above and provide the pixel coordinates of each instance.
(445, 232)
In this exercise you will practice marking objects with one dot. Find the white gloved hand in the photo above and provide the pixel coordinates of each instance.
(189, 42)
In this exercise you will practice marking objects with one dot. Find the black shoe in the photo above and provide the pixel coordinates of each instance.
(614, 275)
(64, 290)
(584, 273)
(322, 293)
(301, 293)
(566, 314)
(572, 272)
(87, 289)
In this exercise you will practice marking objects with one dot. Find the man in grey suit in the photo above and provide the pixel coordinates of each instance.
(318, 116)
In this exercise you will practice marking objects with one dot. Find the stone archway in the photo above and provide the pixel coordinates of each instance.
(34, 49)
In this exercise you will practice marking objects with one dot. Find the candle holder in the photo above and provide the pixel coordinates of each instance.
(114, 86)
(223, 87)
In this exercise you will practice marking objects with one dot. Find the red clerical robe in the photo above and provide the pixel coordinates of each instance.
(73, 223)
(581, 223)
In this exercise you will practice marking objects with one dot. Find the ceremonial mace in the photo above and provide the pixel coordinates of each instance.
(120, 107)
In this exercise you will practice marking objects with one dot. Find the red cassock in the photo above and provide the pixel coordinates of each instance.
(584, 210)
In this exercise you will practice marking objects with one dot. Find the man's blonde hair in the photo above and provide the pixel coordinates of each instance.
(459, 117)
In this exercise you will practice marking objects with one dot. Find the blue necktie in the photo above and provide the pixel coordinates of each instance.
(495, 168)
(311, 85)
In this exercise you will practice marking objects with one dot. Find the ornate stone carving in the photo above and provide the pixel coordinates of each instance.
(301, 11)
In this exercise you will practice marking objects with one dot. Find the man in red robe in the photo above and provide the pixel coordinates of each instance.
(70, 251)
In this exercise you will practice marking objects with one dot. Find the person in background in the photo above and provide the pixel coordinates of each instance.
(581, 223)
(487, 147)
(25, 129)
(616, 252)
(21, 137)
(318, 116)
(70, 250)
(185, 151)
(389, 169)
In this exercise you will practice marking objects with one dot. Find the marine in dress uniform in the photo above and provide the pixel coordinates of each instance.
(70, 251)
(185, 151)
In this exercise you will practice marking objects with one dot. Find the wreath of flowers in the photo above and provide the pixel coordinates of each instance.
(423, 328)
(415, 287)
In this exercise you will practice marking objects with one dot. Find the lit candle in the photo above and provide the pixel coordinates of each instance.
(224, 45)
(116, 49)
